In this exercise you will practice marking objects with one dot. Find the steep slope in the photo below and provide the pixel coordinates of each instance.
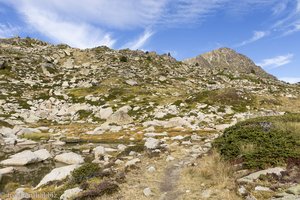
(228, 60)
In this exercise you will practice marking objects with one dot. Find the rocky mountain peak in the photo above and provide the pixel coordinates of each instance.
(229, 60)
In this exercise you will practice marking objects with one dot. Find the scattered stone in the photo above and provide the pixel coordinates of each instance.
(131, 82)
(152, 143)
(69, 158)
(99, 151)
(147, 192)
(294, 190)
(133, 162)
(119, 118)
(251, 177)
(261, 188)
(43, 154)
(70, 194)
(170, 158)
(21, 195)
(57, 174)
(7, 170)
(105, 113)
(119, 162)
(121, 147)
(151, 169)
(178, 137)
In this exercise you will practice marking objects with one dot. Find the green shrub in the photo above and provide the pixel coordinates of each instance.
(123, 59)
(85, 172)
(261, 142)
(83, 114)
(229, 96)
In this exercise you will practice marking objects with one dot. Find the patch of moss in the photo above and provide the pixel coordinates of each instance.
(83, 114)
(36, 136)
(24, 105)
(5, 124)
(260, 142)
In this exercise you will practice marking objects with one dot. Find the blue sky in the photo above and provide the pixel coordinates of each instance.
(267, 31)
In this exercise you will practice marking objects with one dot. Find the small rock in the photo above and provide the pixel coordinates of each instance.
(99, 151)
(7, 170)
(119, 118)
(119, 162)
(131, 82)
(121, 147)
(178, 137)
(70, 194)
(21, 195)
(105, 113)
(152, 143)
(147, 192)
(294, 190)
(251, 177)
(261, 188)
(170, 158)
(69, 158)
(132, 162)
(42, 154)
(151, 169)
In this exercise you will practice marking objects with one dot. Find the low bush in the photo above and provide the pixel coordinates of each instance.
(85, 172)
(262, 142)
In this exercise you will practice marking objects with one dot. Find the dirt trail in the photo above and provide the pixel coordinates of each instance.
(169, 185)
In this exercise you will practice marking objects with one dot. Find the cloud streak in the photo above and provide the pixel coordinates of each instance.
(7, 30)
(257, 35)
(90, 22)
(277, 61)
(140, 41)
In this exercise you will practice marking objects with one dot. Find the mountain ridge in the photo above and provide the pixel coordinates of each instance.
(228, 59)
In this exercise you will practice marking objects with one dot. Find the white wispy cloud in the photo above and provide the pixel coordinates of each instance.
(290, 79)
(75, 34)
(257, 35)
(280, 7)
(140, 41)
(87, 23)
(290, 23)
(7, 30)
(277, 61)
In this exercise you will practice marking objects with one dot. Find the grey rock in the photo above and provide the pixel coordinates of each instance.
(69, 158)
(57, 174)
(70, 193)
(21, 195)
(251, 177)
(152, 143)
(120, 118)
(147, 192)
(132, 162)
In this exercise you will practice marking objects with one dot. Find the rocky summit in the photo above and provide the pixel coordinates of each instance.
(120, 124)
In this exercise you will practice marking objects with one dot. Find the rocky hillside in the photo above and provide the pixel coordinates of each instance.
(228, 60)
(98, 121)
